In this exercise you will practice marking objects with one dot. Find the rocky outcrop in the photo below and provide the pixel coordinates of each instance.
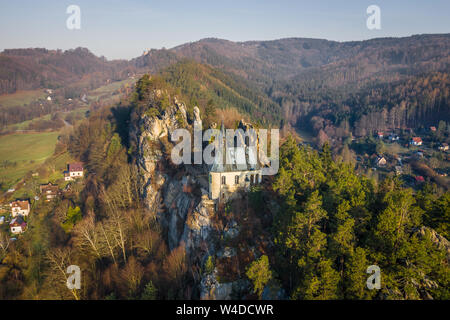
(440, 241)
(212, 289)
(179, 196)
(185, 216)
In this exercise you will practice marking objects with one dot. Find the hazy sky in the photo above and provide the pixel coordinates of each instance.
(123, 29)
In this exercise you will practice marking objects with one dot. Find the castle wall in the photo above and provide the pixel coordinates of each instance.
(218, 190)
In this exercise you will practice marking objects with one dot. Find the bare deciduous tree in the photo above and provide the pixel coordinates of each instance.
(59, 259)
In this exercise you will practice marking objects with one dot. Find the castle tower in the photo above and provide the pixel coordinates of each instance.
(232, 170)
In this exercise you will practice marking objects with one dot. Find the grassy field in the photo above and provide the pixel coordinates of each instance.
(20, 153)
(105, 93)
(24, 125)
(395, 149)
(21, 98)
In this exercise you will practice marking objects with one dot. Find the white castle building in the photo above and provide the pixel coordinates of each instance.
(236, 165)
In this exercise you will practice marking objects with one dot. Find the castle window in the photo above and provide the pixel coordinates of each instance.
(236, 180)
(252, 179)
(257, 178)
(235, 141)
(247, 141)
(224, 180)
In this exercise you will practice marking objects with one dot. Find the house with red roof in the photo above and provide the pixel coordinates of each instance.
(18, 225)
(416, 141)
(420, 179)
(74, 171)
(20, 208)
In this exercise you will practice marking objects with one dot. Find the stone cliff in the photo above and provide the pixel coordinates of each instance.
(178, 194)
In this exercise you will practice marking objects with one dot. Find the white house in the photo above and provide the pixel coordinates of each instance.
(17, 225)
(393, 137)
(416, 141)
(443, 147)
(75, 170)
(380, 161)
(20, 208)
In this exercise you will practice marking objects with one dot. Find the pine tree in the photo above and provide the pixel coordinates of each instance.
(150, 292)
(259, 273)
(356, 276)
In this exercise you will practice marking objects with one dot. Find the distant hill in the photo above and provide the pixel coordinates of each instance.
(313, 83)
(25, 69)
(285, 58)
(321, 84)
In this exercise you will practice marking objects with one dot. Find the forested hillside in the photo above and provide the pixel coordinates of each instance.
(387, 83)
(415, 101)
(25, 69)
(205, 84)
(331, 224)
(307, 233)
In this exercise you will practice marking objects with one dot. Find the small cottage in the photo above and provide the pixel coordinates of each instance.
(20, 208)
(416, 141)
(393, 137)
(74, 171)
(443, 147)
(49, 191)
(17, 225)
(380, 161)
(419, 179)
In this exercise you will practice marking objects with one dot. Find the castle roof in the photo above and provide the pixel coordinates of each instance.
(235, 156)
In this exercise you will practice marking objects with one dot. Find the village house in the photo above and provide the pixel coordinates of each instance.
(237, 167)
(398, 170)
(441, 173)
(380, 134)
(393, 137)
(380, 161)
(443, 147)
(416, 141)
(75, 170)
(433, 129)
(49, 191)
(18, 225)
(20, 208)
(419, 179)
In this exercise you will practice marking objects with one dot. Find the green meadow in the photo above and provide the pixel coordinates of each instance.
(23, 152)
(21, 98)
